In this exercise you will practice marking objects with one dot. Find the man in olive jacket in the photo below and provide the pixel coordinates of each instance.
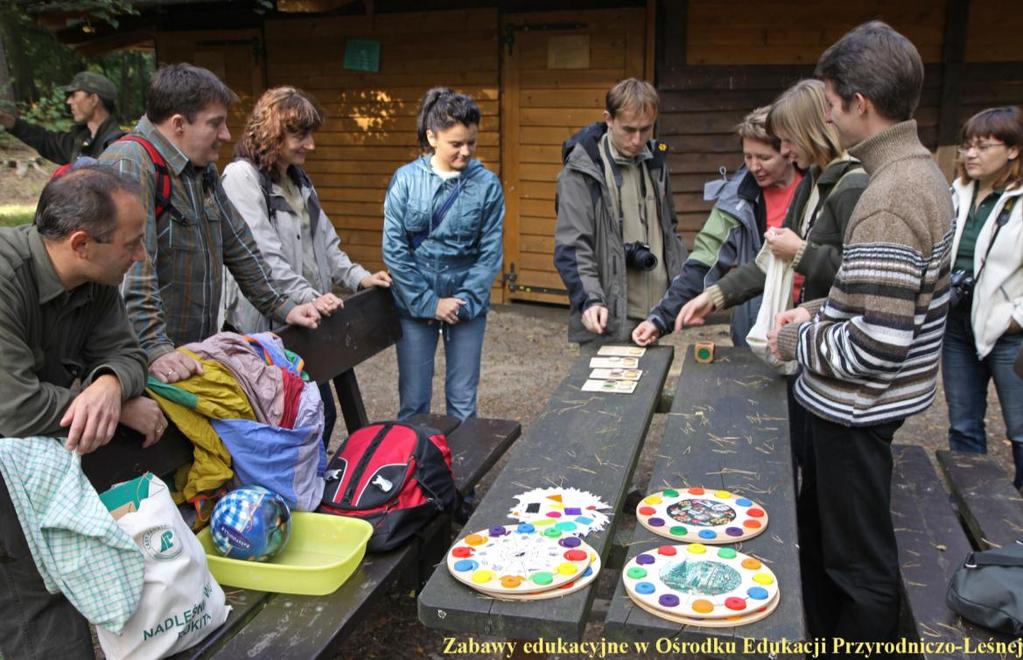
(91, 99)
(72, 369)
(615, 207)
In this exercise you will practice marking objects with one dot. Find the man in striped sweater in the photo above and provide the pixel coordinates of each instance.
(869, 351)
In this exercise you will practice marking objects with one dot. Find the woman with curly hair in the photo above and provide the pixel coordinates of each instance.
(273, 193)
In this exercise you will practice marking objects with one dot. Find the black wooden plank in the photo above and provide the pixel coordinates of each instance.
(442, 423)
(314, 626)
(728, 428)
(350, 397)
(931, 544)
(953, 53)
(585, 440)
(990, 507)
(366, 325)
(291, 626)
(244, 604)
(123, 458)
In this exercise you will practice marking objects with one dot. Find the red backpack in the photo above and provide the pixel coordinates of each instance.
(394, 475)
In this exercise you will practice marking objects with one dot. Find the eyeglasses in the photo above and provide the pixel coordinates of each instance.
(980, 147)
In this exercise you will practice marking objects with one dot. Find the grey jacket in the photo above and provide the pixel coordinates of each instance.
(278, 235)
(588, 249)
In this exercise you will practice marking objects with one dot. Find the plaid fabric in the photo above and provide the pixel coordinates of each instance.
(174, 297)
(75, 543)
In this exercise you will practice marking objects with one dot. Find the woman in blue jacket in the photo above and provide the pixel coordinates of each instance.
(443, 218)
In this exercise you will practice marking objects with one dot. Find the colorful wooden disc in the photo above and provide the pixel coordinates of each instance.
(728, 622)
(587, 578)
(699, 582)
(515, 559)
(701, 515)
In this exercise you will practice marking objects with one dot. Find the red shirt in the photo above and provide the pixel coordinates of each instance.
(776, 204)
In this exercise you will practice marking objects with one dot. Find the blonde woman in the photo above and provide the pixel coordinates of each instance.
(272, 192)
(811, 236)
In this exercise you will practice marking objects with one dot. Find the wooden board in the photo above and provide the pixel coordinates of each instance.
(542, 106)
(931, 545)
(727, 428)
(990, 507)
(586, 441)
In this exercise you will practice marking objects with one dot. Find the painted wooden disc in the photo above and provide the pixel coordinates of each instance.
(587, 578)
(515, 559)
(701, 515)
(699, 582)
(728, 622)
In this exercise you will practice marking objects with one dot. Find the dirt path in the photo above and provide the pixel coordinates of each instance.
(526, 355)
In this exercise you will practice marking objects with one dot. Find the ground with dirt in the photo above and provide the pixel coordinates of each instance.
(526, 355)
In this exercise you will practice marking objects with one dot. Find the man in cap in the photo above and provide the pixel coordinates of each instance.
(91, 98)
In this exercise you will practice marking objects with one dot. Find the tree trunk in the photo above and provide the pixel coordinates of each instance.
(6, 88)
(18, 63)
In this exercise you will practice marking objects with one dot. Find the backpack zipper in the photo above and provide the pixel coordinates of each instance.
(363, 462)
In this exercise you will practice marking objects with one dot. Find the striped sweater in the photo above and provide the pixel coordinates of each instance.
(871, 349)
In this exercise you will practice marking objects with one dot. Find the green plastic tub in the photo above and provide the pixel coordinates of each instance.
(321, 554)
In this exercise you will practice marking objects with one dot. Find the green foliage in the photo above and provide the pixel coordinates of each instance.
(16, 214)
(104, 10)
(50, 111)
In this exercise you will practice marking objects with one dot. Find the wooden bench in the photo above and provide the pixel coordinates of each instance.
(727, 429)
(283, 625)
(934, 537)
(590, 441)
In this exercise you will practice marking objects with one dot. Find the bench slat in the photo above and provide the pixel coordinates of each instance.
(123, 458)
(931, 544)
(585, 440)
(314, 626)
(991, 508)
(727, 428)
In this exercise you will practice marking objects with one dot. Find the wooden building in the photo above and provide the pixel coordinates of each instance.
(539, 71)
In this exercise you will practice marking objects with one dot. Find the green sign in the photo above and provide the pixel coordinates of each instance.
(362, 55)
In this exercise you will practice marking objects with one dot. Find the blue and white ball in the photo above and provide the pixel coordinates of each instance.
(251, 523)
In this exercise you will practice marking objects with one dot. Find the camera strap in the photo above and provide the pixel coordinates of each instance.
(1003, 219)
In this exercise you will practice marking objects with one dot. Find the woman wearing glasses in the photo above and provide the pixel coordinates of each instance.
(983, 334)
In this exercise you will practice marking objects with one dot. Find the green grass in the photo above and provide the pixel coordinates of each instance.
(16, 214)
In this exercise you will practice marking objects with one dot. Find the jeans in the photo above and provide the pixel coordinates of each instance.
(33, 622)
(847, 550)
(463, 346)
(966, 383)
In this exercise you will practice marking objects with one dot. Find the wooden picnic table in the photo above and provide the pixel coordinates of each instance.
(590, 441)
(727, 429)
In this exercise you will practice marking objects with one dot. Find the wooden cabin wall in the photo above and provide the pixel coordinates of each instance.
(370, 127)
(737, 56)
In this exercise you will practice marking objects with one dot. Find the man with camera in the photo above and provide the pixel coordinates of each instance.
(615, 246)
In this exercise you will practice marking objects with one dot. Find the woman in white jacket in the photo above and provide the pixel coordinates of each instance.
(983, 334)
(269, 187)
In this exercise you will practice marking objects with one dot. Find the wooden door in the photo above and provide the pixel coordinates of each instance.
(235, 56)
(556, 68)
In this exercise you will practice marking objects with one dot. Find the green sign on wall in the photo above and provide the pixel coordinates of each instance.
(362, 55)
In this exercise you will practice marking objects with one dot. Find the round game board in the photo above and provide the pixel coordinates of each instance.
(699, 515)
(588, 576)
(699, 582)
(729, 622)
(515, 559)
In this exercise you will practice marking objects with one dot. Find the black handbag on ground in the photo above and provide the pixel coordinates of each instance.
(988, 589)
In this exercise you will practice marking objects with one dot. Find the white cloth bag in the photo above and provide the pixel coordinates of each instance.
(777, 298)
(181, 602)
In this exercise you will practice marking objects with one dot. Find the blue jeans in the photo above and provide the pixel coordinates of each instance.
(463, 346)
(966, 382)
